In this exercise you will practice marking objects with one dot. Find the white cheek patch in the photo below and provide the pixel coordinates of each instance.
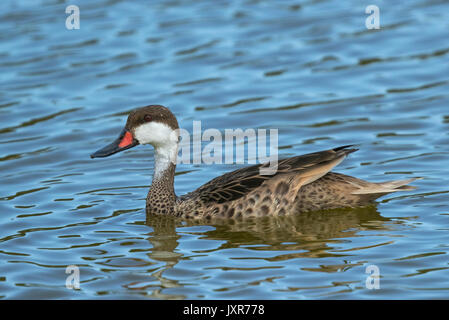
(155, 133)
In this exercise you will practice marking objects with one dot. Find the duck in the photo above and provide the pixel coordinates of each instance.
(302, 183)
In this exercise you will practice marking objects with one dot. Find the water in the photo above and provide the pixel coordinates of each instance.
(309, 68)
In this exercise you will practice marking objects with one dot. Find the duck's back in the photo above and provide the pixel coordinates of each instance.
(301, 184)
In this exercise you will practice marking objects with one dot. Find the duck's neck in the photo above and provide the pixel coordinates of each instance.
(161, 197)
(165, 159)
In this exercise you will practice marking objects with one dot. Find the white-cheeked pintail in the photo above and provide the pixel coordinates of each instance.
(300, 184)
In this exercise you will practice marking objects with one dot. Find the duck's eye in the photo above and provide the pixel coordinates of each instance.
(148, 118)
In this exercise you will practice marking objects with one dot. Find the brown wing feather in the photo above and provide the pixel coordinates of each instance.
(236, 184)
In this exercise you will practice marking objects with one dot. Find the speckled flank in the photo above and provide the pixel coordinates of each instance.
(329, 192)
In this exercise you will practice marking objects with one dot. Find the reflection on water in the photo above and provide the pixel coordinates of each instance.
(311, 232)
(309, 235)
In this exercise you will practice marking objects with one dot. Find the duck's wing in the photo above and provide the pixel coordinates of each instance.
(307, 168)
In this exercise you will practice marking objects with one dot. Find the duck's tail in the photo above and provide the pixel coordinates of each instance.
(385, 187)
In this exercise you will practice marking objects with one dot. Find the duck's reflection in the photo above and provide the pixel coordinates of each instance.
(305, 230)
(310, 235)
(164, 240)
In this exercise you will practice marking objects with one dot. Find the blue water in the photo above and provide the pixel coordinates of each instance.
(310, 69)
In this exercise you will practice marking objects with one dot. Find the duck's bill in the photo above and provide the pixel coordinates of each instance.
(125, 141)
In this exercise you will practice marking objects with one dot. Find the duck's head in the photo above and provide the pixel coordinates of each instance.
(153, 124)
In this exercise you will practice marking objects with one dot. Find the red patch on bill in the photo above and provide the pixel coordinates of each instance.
(127, 140)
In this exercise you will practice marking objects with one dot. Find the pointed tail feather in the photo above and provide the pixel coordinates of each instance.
(386, 187)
